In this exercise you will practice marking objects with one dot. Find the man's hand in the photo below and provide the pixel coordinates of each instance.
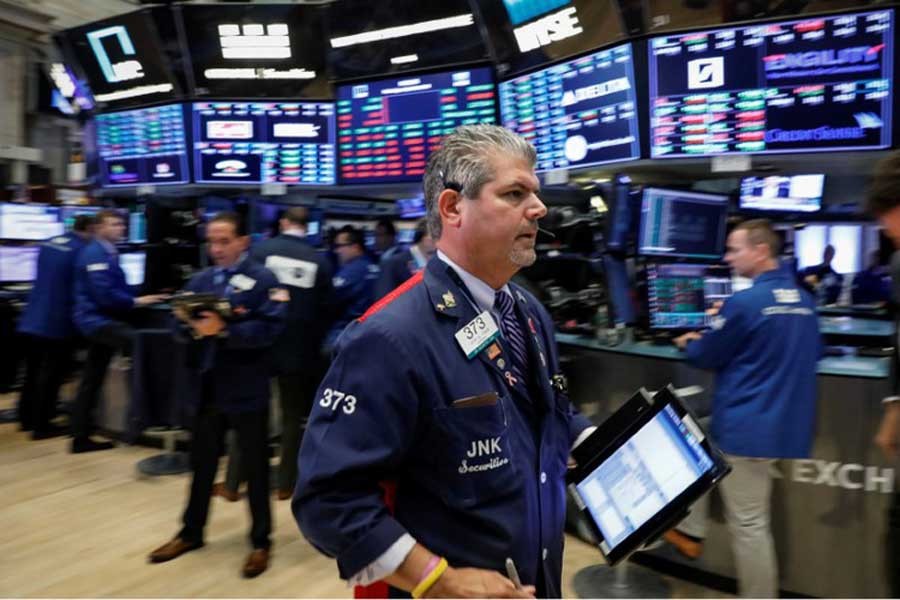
(714, 309)
(209, 324)
(151, 299)
(476, 583)
(682, 340)
(888, 436)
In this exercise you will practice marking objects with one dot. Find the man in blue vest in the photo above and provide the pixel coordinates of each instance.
(764, 346)
(449, 391)
(47, 320)
(297, 354)
(354, 282)
(402, 264)
(102, 304)
(228, 361)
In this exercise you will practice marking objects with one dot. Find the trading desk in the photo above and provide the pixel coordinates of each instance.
(829, 512)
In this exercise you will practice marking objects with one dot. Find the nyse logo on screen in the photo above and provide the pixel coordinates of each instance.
(546, 30)
(704, 73)
(115, 72)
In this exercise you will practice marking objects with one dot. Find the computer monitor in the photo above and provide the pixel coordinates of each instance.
(782, 193)
(137, 227)
(618, 290)
(679, 294)
(134, 265)
(69, 213)
(29, 221)
(620, 215)
(18, 264)
(682, 224)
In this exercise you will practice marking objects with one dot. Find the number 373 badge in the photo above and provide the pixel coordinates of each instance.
(477, 334)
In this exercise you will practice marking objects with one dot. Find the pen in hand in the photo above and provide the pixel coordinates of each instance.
(513, 574)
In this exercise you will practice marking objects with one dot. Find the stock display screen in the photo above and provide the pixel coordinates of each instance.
(577, 113)
(143, 146)
(820, 83)
(264, 142)
(387, 128)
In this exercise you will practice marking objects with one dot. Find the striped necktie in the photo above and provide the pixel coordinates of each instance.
(512, 332)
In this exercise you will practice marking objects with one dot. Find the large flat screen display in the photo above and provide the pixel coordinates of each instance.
(388, 128)
(682, 224)
(782, 193)
(29, 221)
(245, 143)
(577, 113)
(142, 146)
(253, 51)
(368, 37)
(122, 59)
(818, 83)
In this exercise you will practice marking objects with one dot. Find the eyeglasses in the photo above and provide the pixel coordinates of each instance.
(344, 245)
(450, 185)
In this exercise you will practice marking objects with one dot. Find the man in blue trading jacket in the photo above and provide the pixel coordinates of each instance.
(354, 282)
(229, 363)
(764, 345)
(449, 388)
(402, 264)
(307, 276)
(101, 309)
(47, 320)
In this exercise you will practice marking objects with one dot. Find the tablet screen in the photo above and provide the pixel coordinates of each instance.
(646, 473)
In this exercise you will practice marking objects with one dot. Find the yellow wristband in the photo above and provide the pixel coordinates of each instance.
(425, 585)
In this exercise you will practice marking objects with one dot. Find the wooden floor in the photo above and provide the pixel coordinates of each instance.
(74, 526)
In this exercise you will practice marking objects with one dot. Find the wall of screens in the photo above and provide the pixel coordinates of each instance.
(142, 146)
(820, 83)
(578, 113)
(263, 142)
(388, 128)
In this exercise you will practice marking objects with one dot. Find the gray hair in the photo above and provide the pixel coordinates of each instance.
(463, 163)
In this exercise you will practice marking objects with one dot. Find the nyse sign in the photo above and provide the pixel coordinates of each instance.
(849, 476)
(546, 30)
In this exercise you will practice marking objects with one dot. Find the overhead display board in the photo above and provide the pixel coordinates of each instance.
(122, 60)
(142, 146)
(524, 34)
(367, 37)
(256, 51)
(388, 128)
(577, 113)
(813, 84)
(245, 143)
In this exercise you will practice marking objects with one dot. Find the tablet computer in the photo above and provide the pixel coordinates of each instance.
(640, 471)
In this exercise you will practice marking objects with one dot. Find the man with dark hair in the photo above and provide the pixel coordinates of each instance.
(883, 202)
(764, 346)
(227, 356)
(47, 321)
(103, 301)
(354, 282)
(822, 280)
(472, 432)
(296, 355)
(385, 237)
(403, 264)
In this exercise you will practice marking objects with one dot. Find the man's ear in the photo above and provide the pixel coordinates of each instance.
(449, 208)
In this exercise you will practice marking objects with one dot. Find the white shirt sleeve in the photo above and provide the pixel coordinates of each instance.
(385, 564)
(584, 435)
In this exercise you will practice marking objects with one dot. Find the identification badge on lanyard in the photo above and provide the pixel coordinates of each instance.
(474, 337)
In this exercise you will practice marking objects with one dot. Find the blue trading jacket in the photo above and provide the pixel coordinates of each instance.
(354, 290)
(396, 268)
(764, 348)
(237, 362)
(101, 292)
(475, 484)
(49, 310)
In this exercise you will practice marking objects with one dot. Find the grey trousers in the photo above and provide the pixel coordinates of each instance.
(746, 493)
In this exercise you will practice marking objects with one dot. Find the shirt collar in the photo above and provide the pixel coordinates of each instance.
(296, 232)
(110, 249)
(233, 268)
(482, 293)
